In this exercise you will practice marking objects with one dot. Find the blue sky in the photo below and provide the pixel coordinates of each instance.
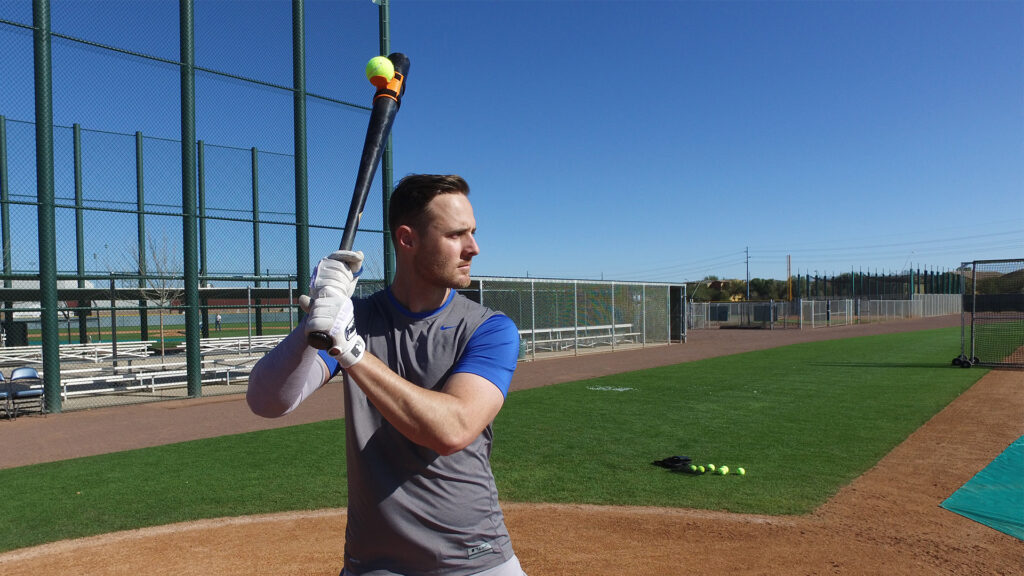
(620, 140)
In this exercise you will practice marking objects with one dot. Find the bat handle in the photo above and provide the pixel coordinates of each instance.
(319, 340)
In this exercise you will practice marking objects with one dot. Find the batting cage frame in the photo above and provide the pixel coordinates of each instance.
(992, 321)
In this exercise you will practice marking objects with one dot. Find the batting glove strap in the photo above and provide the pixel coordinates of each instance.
(350, 348)
(334, 316)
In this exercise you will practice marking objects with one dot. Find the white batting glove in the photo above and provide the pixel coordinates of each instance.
(336, 274)
(329, 305)
(333, 315)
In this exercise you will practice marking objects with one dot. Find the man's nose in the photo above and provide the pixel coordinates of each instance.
(472, 249)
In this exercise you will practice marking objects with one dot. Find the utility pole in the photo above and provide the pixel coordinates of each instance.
(748, 273)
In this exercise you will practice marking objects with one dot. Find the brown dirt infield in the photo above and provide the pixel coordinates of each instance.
(884, 522)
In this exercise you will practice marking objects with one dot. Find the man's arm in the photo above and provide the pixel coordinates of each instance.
(285, 376)
(292, 371)
(445, 421)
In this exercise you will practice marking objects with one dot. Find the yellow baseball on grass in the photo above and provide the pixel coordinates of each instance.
(741, 471)
(700, 469)
(380, 71)
(711, 467)
(723, 470)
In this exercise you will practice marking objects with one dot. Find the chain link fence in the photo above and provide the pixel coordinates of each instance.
(105, 106)
(771, 315)
(807, 313)
(573, 317)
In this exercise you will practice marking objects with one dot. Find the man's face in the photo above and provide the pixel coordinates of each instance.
(446, 243)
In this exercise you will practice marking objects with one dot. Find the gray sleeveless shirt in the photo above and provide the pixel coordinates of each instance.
(411, 510)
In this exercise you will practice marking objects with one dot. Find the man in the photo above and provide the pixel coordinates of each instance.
(426, 370)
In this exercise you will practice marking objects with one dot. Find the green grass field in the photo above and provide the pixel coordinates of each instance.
(804, 420)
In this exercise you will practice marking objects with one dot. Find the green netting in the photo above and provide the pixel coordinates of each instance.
(995, 496)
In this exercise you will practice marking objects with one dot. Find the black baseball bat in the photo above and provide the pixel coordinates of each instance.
(386, 102)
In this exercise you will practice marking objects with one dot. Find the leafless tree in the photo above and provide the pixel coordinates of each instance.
(164, 283)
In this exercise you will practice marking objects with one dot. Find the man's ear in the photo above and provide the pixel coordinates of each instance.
(405, 237)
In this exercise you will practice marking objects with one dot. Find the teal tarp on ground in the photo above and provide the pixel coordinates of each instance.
(995, 496)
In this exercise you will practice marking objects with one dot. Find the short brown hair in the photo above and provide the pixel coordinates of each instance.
(410, 198)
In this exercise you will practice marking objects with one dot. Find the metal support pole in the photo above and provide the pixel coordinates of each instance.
(533, 317)
(256, 234)
(5, 217)
(193, 359)
(613, 315)
(685, 312)
(974, 303)
(45, 209)
(141, 217)
(575, 318)
(643, 338)
(387, 168)
(291, 306)
(201, 186)
(301, 174)
(113, 320)
(83, 326)
(248, 314)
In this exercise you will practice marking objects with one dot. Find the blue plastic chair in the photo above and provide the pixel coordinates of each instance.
(25, 390)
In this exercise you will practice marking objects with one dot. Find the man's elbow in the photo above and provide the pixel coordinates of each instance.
(261, 405)
(261, 400)
(449, 444)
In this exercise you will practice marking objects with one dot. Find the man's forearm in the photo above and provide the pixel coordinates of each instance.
(445, 421)
(285, 376)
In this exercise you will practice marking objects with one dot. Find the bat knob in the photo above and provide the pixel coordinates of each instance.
(319, 340)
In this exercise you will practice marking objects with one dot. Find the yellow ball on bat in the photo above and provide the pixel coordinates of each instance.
(380, 71)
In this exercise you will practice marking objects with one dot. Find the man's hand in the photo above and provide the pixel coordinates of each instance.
(337, 273)
(333, 315)
(330, 308)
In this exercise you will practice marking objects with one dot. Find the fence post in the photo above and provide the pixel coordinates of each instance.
(387, 161)
(256, 235)
(248, 315)
(533, 317)
(113, 320)
(299, 129)
(686, 313)
(5, 217)
(613, 315)
(141, 225)
(575, 318)
(203, 270)
(45, 210)
(643, 321)
(291, 305)
(186, 24)
(83, 327)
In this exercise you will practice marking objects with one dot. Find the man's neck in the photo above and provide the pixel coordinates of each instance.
(417, 297)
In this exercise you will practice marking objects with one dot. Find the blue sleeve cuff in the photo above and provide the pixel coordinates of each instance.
(492, 352)
(332, 365)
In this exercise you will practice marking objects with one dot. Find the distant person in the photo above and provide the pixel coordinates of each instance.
(421, 392)
(218, 322)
